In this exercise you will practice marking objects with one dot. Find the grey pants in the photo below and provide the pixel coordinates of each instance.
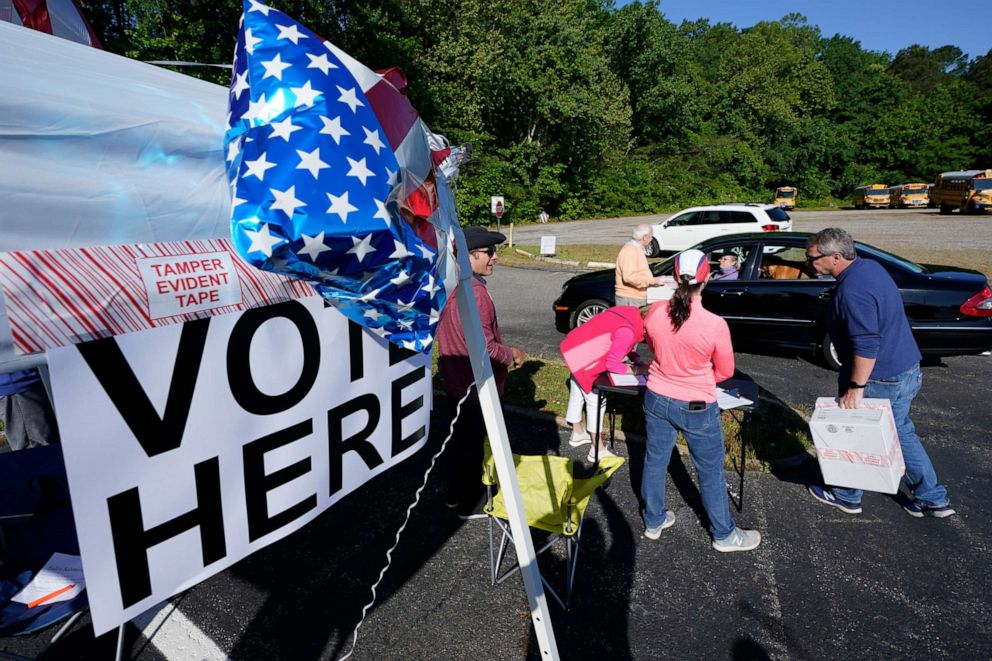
(28, 419)
(636, 302)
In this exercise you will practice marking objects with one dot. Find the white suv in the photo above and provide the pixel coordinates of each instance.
(687, 228)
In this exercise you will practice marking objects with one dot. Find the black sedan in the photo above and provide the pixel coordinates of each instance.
(778, 302)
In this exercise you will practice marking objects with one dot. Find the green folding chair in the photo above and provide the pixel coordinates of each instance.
(554, 501)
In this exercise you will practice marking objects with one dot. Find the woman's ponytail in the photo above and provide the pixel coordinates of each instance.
(680, 304)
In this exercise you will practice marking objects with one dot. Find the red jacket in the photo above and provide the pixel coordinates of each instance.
(585, 347)
(453, 360)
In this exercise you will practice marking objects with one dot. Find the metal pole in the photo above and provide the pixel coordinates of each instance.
(120, 643)
(492, 413)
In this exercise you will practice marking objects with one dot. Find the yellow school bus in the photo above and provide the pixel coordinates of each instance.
(785, 197)
(967, 190)
(909, 196)
(873, 196)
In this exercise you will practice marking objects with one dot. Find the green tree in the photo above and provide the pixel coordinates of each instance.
(649, 55)
(924, 69)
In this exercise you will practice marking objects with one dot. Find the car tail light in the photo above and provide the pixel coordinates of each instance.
(979, 305)
(769, 228)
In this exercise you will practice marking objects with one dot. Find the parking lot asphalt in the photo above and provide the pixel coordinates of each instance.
(892, 229)
(822, 585)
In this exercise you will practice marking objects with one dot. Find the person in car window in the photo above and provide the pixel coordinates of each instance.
(879, 358)
(633, 275)
(729, 268)
(692, 352)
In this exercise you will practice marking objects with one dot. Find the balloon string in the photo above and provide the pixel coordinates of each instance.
(409, 510)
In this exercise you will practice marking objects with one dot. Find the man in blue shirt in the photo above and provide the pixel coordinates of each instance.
(879, 358)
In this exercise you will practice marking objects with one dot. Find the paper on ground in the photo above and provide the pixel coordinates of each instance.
(60, 571)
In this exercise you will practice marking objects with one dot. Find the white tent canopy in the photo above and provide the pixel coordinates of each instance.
(98, 149)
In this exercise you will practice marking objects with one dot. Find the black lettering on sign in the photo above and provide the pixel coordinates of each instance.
(155, 434)
(402, 411)
(356, 350)
(239, 376)
(132, 541)
(398, 354)
(258, 484)
(337, 445)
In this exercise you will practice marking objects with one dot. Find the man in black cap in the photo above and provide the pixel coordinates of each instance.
(465, 489)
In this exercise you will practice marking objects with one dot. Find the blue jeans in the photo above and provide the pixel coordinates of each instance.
(920, 477)
(703, 432)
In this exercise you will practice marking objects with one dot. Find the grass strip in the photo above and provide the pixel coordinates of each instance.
(777, 430)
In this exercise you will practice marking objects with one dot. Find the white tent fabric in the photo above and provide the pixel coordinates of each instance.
(97, 149)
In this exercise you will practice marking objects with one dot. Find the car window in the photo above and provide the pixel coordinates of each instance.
(882, 256)
(710, 217)
(779, 214)
(741, 217)
(683, 220)
(784, 263)
(728, 262)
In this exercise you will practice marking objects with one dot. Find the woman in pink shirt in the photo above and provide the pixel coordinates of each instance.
(599, 345)
(692, 353)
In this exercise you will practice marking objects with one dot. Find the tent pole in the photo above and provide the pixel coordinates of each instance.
(499, 442)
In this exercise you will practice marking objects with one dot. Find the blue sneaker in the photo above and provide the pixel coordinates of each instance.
(918, 511)
(826, 496)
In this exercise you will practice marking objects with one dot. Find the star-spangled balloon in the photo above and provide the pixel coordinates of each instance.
(333, 179)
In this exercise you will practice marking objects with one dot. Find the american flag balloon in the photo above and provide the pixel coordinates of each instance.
(333, 179)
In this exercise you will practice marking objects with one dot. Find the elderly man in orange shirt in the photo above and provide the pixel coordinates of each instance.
(633, 275)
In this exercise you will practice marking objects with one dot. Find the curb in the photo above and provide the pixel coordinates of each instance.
(555, 260)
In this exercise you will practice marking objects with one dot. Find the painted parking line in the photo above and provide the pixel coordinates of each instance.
(175, 636)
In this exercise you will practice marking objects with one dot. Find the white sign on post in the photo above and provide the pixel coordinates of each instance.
(190, 446)
(548, 245)
(496, 201)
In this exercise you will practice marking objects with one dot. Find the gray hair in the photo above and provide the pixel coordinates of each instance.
(831, 240)
(640, 232)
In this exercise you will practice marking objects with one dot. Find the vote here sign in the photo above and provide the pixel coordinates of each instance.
(190, 446)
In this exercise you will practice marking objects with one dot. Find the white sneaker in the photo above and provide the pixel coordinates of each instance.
(739, 540)
(577, 440)
(655, 533)
(603, 452)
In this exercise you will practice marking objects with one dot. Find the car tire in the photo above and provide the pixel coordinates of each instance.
(945, 209)
(653, 250)
(828, 352)
(587, 310)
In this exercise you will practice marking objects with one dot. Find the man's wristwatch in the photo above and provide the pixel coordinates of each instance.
(858, 386)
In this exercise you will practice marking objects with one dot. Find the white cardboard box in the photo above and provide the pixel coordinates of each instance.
(857, 448)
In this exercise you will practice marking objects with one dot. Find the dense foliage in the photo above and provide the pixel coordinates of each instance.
(585, 109)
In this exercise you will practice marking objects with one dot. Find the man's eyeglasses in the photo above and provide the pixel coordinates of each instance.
(491, 250)
(811, 258)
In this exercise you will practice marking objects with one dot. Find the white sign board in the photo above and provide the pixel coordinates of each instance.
(494, 201)
(548, 245)
(190, 446)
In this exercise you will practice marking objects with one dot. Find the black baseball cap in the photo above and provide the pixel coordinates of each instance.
(480, 237)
